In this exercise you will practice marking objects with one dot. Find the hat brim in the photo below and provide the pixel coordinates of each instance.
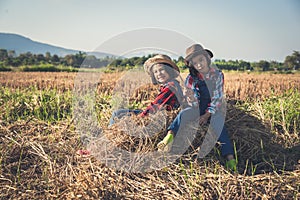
(196, 53)
(165, 61)
(210, 53)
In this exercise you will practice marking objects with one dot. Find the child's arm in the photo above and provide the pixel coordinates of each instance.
(189, 93)
(217, 95)
(162, 99)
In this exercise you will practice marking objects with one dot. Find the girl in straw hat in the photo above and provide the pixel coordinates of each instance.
(207, 84)
(163, 71)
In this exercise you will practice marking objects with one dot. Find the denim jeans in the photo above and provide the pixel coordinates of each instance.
(216, 123)
(121, 113)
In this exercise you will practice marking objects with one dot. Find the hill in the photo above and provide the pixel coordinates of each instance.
(21, 44)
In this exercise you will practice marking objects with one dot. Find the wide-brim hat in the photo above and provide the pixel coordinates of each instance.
(210, 53)
(159, 59)
(195, 50)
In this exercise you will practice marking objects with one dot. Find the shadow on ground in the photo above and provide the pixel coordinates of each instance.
(257, 148)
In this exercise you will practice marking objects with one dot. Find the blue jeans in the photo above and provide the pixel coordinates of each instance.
(216, 122)
(121, 113)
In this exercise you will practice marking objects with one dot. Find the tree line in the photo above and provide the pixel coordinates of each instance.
(8, 58)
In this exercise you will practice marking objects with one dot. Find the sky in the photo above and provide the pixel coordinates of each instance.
(233, 29)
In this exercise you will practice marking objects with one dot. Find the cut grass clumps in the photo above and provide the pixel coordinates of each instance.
(46, 105)
(39, 161)
(282, 113)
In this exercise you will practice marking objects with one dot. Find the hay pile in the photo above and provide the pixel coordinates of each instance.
(257, 145)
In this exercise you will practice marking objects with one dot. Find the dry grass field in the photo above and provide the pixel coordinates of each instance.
(39, 140)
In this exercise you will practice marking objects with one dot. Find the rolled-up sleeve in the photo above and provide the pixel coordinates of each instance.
(217, 95)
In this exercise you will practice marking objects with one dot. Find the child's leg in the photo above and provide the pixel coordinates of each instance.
(226, 145)
(219, 130)
(117, 113)
(121, 113)
(227, 150)
(218, 124)
(183, 118)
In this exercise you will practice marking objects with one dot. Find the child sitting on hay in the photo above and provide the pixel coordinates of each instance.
(163, 71)
(207, 85)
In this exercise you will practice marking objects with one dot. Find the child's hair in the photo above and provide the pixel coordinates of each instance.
(195, 50)
(194, 72)
(169, 69)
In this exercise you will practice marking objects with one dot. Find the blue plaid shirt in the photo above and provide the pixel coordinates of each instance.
(216, 88)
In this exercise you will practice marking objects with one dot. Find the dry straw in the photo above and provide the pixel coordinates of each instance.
(38, 158)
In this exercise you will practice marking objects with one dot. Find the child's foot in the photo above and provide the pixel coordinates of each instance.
(231, 165)
(166, 144)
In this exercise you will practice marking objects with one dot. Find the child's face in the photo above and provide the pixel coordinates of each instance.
(160, 73)
(200, 63)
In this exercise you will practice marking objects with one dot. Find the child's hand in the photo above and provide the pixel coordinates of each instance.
(189, 96)
(203, 118)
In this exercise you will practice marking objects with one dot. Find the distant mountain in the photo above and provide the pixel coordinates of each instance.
(21, 44)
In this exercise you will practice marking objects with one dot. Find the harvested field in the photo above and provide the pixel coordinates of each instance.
(39, 140)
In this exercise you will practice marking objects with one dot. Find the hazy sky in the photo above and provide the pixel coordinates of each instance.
(233, 29)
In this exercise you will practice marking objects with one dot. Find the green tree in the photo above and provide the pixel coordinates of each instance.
(48, 57)
(180, 59)
(116, 62)
(69, 60)
(55, 59)
(27, 58)
(3, 54)
(293, 61)
(274, 65)
(39, 58)
(263, 65)
(78, 59)
(140, 61)
(91, 61)
(243, 65)
(11, 53)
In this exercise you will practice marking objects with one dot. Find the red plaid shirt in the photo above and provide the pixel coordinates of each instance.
(167, 98)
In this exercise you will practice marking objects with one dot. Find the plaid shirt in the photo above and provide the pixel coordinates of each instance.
(215, 81)
(166, 98)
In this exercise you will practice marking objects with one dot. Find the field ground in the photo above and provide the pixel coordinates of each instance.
(38, 143)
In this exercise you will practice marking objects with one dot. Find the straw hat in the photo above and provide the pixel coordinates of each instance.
(195, 50)
(159, 59)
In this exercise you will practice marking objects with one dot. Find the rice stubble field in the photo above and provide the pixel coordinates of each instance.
(38, 143)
